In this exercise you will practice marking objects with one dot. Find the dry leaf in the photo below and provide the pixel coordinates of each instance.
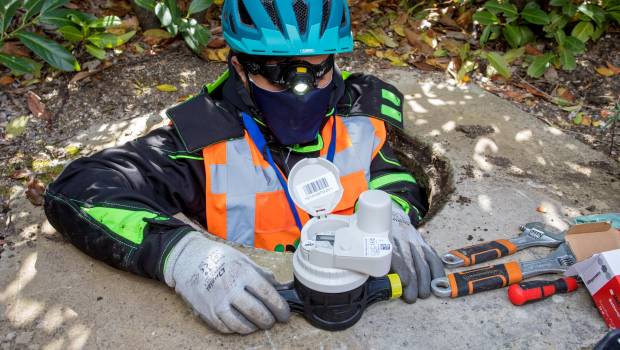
(16, 126)
(216, 42)
(166, 88)
(453, 46)
(368, 39)
(117, 8)
(515, 95)
(20, 174)
(565, 94)
(367, 7)
(532, 50)
(586, 120)
(596, 123)
(464, 19)
(429, 39)
(219, 55)
(383, 38)
(456, 35)
(416, 42)
(447, 20)
(155, 36)
(36, 107)
(131, 23)
(35, 191)
(6, 80)
(14, 48)
(424, 66)
(399, 29)
(441, 62)
(613, 68)
(395, 59)
(606, 72)
(81, 75)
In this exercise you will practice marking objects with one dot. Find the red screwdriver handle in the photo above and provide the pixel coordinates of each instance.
(525, 292)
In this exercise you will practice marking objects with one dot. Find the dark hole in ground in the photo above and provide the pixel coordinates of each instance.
(432, 171)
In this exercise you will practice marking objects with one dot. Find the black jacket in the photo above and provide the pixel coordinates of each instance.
(117, 205)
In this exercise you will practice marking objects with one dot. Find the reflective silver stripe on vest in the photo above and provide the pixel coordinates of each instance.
(362, 135)
(240, 179)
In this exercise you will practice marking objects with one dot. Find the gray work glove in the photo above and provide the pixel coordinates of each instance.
(413, 259)
(224, 287)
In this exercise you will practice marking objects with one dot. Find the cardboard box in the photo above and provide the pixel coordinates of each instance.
(588, 239)
(597, 249)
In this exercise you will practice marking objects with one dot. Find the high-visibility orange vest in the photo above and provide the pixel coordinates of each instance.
(245, 202)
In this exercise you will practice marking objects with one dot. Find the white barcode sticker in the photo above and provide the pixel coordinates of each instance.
(376, 246)
(316, 188)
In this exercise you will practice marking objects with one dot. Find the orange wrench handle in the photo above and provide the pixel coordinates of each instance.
(486, 251)
(484, 278)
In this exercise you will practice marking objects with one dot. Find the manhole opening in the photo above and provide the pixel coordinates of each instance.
(432, 171)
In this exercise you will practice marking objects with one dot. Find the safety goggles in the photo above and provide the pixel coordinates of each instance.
(299, 76)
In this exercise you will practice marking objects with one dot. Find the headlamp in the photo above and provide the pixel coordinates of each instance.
(298, 76)
(300, 81)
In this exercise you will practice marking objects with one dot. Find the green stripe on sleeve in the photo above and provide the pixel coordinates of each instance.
(212, 86)
(184, 156)
(388, 179)
(126, 223)
(392, 113)
(389, 161)
(390, 96)
(406, 206)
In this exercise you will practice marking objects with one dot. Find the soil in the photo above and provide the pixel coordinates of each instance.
(583, 86)
(474, 131)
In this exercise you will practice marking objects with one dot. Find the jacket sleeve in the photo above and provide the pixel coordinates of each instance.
(387, 174)
(117, 205)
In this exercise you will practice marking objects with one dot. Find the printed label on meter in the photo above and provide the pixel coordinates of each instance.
(376, 246)
(318, 187)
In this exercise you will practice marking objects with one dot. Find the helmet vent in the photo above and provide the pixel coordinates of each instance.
(273, 14)
(232, 23)
(244, 16)
(325, 15)
(301, 14)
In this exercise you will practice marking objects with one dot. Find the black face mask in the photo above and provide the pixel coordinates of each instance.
(293, 119)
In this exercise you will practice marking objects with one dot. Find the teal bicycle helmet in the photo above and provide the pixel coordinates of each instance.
(287, 27)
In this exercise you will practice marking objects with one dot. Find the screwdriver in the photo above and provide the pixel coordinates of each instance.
(526, 292)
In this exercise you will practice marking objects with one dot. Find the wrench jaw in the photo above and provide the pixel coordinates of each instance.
(441, 287)
(537, 234)
(452, 261)
(556, 262)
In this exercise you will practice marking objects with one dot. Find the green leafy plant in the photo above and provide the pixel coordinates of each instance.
(195, 34)
(90, 31)
(568, 24)
(24, 21)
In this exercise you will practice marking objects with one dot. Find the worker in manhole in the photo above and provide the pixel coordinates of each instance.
(223, 162)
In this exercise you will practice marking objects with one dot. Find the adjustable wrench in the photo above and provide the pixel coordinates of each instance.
(498, 276)
(532, 234)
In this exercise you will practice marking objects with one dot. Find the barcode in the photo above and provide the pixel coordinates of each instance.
(315, 186)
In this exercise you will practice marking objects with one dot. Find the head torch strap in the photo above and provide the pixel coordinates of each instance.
(278, 73)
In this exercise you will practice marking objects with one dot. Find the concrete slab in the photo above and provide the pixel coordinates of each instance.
(506, 164)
